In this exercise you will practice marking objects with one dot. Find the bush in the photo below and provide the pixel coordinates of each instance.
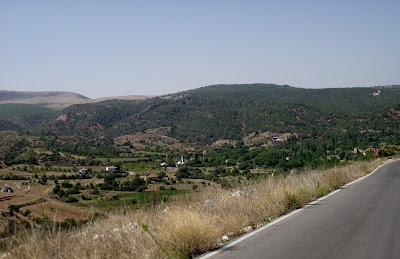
(66, 184)
(85, 198)
(61, 193)
(161, 175)
(13, 208)
(321, 190)
(141, 188)
(71, 199)
(72, 191)
(27, 212)
(291, 201)
(56, 189)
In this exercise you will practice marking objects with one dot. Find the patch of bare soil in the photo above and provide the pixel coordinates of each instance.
(36, 199)
(265, 138)
(57, 211)
(155, 137)
(223, 142)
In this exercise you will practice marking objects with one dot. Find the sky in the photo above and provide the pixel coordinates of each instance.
(109, 48)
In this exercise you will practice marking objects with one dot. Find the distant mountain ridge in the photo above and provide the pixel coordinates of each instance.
(51, 99)
(55, 99)
(232, 112)
(218, 112)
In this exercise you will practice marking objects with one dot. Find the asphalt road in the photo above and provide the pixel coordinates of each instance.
(360, 221)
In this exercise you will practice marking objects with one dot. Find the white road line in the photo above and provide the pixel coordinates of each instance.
(246, 236)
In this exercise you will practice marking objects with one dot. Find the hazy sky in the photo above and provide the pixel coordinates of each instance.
(111, 48)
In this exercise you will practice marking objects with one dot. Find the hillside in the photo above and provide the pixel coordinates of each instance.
(126, 97)
(168, 151)
(220, 112)
(17, 116)
(23, 110)
(54, 99)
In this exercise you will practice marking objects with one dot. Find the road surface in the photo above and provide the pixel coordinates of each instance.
(360, 221)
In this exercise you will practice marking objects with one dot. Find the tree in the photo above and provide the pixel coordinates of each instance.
(56, 189)
(161, 175)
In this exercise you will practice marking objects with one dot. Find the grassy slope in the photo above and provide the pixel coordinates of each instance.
(189, 226)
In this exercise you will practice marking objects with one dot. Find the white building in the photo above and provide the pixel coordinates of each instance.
(182, 162)
(111, 169)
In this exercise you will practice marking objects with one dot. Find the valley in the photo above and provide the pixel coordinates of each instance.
(87, 162)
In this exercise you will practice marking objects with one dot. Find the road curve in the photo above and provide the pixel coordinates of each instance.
(360, 221)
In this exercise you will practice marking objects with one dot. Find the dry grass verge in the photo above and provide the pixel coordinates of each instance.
(187, 227)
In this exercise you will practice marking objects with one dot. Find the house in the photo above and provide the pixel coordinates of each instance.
(111, 169)
(83, 171)
(6, 189)
(151, 176)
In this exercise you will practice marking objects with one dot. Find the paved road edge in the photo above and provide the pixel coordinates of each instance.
(281, 218)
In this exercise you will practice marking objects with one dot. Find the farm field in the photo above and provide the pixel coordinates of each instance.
(34, 194)
(34, 201)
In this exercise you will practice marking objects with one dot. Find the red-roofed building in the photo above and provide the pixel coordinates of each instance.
(151, 176)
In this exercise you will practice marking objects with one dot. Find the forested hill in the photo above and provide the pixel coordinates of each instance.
(15, 116)
(216, 112)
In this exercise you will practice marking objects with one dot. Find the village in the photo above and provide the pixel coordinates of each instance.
(60, 196)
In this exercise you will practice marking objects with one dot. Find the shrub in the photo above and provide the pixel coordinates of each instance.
(96, 190)
(320, 190)
(141, 188)
(85, 198)
(72, 191)
(66, 184)
(71, 199)
(61, 193)
(56, 189)
(27, 212)
(161, 175)
(291, 201)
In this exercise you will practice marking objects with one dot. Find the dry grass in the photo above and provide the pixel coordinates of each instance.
(191, 226)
